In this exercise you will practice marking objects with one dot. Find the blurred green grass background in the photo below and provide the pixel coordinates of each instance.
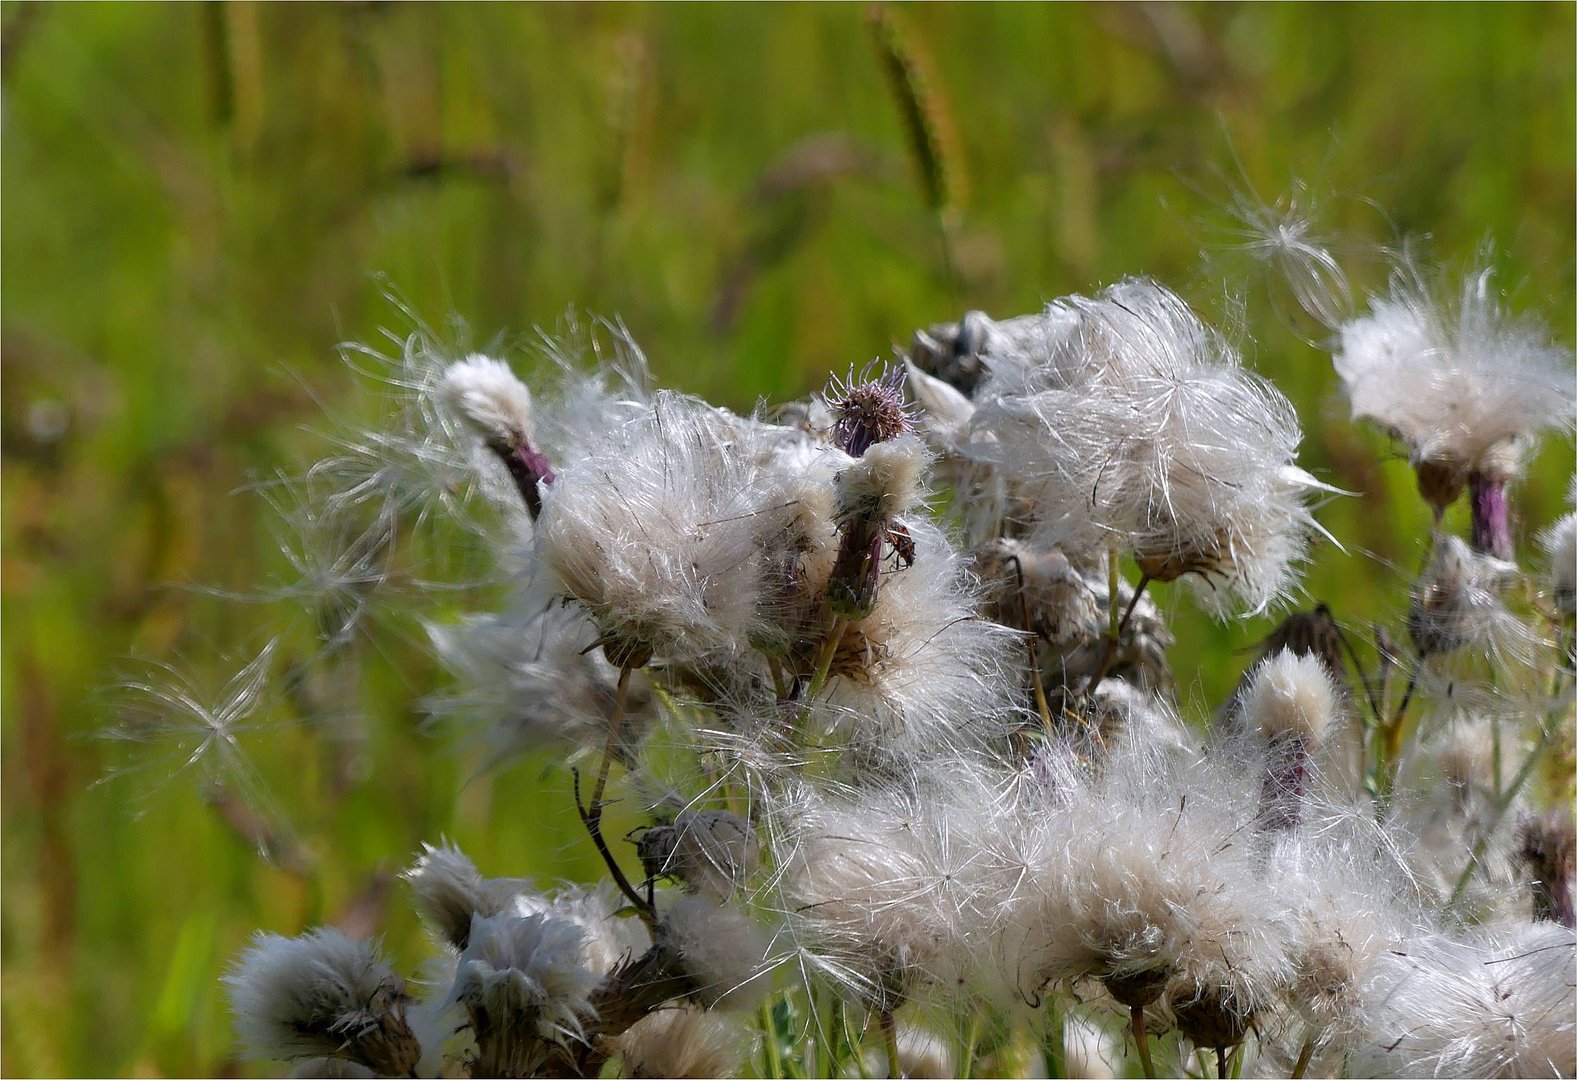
(198, 198)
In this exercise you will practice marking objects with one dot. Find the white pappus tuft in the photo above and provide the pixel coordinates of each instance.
(1458, 379)
(658, 532)
(723, 952)
(1143, 428)
(488, 395)
(321, 995)
(1504, 1004)
(683, 1043)
(523, 983)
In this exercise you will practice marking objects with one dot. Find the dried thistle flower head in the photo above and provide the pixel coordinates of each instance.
(1458, 379)
(1549, 851)
(523, 984)
(658, 533)
(953, 353)
(868, 410)
(872, 492)
(322, 995)
(450, 892)
(1140, 424)
(1456, 603)
(712, 851)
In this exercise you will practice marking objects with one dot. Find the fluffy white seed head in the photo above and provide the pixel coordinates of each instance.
(885, 483)
(488, 396)
(524, 975)
(1456, 603)
(1291, 695)
(723, 951)
(450, 892)
(684, 1042)
(924, 674)
(321, 995)
(1560, 544)
(609, 938)
(1455, 378)
(712, 851)
(527, 677)
(1146, 428)
(659, 534)
(1500, 1005)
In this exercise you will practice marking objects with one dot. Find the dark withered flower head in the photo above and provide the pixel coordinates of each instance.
(868, 408)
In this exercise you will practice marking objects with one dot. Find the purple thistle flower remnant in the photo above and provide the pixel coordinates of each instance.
(868, 411)
(872, 492)
(497, 405)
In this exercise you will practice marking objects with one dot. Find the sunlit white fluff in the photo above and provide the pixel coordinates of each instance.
(684, 1042)
(1459, 379)
(1349, 904)
(724, 953)
(887, 890)
(924, 672)
(1146, 429)
(1144, 878)
(1503, 1004)
(1559, 542)
(658, 533)
(609, 938)
(1456, 604)
(1450, 781)
(885, 483)
(321, 995)
(712, 852)
(527, 677)
(487, 394)
(1291, 695)
(450, 892)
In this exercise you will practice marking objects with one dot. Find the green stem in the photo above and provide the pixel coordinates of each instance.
(890, 1040)
(1115, 638)
(829, 649)
(1141, 1039)
(1304, 1056)
(1498, 811)
(774, 1049)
